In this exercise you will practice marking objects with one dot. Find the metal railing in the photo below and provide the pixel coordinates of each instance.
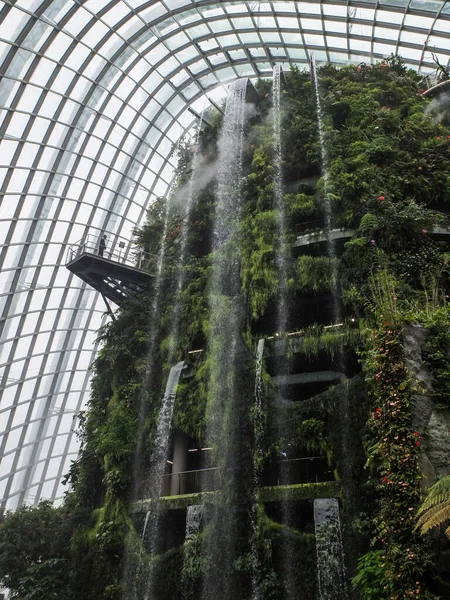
(314, 469)
(115, 248)
(432, 79)
(190, 482)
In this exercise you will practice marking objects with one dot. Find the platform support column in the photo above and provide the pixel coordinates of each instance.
(180, 457)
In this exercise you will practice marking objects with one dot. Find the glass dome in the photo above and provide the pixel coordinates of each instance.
(94, 95)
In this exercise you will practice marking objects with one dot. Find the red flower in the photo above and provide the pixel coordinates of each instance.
(417, 443)
(380, 197)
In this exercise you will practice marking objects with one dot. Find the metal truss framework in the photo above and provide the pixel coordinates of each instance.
(94, 94)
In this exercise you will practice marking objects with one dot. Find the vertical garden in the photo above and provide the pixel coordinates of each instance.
(347, 397)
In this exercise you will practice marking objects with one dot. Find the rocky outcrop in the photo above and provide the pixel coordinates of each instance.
(431, 422)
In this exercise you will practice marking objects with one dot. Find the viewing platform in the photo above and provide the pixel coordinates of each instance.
(112, 269)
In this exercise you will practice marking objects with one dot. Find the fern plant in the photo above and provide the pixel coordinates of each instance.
(435, 509)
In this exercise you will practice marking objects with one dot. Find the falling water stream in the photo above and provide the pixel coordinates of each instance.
(327, 510)
(144, 529)
(225, 345)
(132, 573)
(259, 430)
(194, 517)
(155, 474)
(328, 209)
(281, 248)
(158, 463)
(291, 590)
(330, 551)
(185, 231)
(138, 476)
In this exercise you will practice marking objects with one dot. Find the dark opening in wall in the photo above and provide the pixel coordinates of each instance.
(172, 528)
(343, 362)
(304, 391)
(304, 311)
(296, 468)
(297, 514)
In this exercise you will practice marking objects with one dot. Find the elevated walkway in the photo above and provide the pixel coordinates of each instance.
(320, 236)
(279, 493)
(114, 272)
(342, 235)
(438, 89)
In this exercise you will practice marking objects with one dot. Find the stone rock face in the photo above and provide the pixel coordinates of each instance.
(438, 443)
(429, 421)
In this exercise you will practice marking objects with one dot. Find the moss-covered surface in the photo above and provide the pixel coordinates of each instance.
(300, 491)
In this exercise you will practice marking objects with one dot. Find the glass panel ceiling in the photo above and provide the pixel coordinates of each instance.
(93, 95)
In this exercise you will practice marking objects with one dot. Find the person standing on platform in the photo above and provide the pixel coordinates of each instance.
(102, 245)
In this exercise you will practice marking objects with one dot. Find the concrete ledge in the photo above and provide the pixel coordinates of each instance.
(315, 377)
(300, 491)
(173, 502)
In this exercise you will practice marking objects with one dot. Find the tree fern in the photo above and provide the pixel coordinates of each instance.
(435, 509)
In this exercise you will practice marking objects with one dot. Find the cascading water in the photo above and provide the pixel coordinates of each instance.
(159, 458)
(330, 551)
(181, 276)
(194, 517)
(282, 306)
(281, 249)
(138, 475)
(141, 470)
(158, 463)
(144, 529)
(340, 359)
(226, 348)
(328, 211)
(259, 430)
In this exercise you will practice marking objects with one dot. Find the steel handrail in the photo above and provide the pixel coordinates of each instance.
(169, 478)
(117, 250)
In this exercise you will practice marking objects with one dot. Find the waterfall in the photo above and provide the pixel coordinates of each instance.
(258, 391)
(323, 148)
(225, 280)
(194, 517)
(133, 572)
(328, 209)
(340, 359)
(158, 464)
(259, 429)
(185, 231)
(144, 529)
(281, 249)
(159, 457)
(330, 551)
(225, 345)
(138, 475)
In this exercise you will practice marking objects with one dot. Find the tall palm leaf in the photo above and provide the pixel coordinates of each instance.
(435, 509)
